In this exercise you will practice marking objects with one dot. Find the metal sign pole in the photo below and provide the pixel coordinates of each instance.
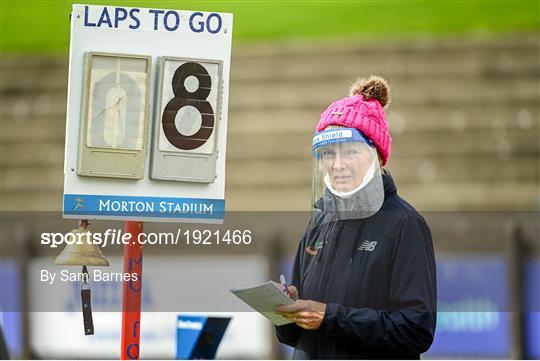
(131, 296)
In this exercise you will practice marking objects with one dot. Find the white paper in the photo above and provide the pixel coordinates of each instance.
(264, 299)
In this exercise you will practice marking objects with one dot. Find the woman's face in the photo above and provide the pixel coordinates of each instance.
(346, 164)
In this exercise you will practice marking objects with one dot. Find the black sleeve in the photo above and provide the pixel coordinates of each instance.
(288, 334)
(409, 326)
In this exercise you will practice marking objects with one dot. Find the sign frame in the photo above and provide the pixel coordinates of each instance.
(146, 199)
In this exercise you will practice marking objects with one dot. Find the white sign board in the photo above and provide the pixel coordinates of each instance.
(147, 114)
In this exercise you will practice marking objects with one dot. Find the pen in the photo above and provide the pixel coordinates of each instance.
(284, 284)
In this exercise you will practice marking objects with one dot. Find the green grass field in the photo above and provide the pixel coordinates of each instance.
(43, 26)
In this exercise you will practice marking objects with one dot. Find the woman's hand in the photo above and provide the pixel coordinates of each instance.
(307, 314)
(293, 293)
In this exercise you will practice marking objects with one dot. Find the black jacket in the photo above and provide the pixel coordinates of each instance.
(377, 278)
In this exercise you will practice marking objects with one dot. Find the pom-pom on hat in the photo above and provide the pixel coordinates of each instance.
(363, 110)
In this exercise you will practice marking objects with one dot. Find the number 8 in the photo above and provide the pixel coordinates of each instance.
(197, 99)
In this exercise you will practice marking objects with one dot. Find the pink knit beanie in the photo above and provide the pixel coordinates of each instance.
(363, 110)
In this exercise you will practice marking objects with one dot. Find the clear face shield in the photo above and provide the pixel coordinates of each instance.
(347, 177)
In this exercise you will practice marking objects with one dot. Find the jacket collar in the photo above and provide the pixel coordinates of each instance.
(388, 183)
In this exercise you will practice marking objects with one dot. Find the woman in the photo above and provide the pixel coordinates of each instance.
(364, 272)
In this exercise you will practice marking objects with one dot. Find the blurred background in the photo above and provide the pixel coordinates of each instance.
(465, 119)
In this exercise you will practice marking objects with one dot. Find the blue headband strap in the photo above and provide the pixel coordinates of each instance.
(340, 135)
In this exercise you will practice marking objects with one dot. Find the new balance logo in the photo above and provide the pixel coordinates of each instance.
(367, 246)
